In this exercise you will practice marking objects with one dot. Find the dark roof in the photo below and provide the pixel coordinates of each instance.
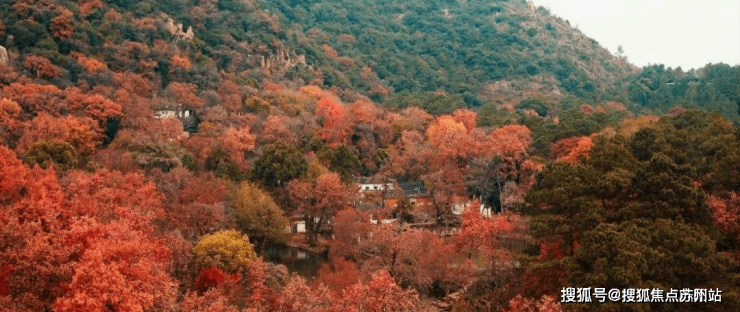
(373, 180)
(413, 189)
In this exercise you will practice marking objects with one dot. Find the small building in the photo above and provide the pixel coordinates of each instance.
(413, 192)
(187, 116)
(367, 184)
(484, 210)
(299, 227)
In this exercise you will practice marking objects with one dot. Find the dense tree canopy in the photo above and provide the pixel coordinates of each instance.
(503, 155)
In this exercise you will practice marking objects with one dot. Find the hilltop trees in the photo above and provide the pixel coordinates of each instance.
(106, 204)
(591, 216)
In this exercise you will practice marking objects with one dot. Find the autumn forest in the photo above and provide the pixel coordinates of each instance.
(334, 155)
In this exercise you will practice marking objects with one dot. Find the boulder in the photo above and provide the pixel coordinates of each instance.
(3, 55)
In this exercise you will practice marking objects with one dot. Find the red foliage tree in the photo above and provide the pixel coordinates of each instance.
(133, 83)
(726, 213)
(123, 269)
(410, 157)
(111, 195)
(417, 258)
(212, 301)
(42, 67)
(35, 98)
(380, 294)
(419, 118)
(482, 237)
(523, 304)
(275, 129)
(318, 202)
(82, 133)
(299, 297)
(349, 227)
(94, 106)
(571, 150)
(63, 26)
(338, 275)
(236, 142)
(180, 63)
(184, 93)
(10, 123)
(86, 6)
(212, 277)
(335, 126)
(193, 203)
(91, 65)
(65, 251)
(231, 95)
(12, 175)
(466, 117)
(511, 142)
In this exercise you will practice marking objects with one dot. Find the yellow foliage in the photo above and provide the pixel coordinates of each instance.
(631, 126)
(258, 215)
(312, 91)
(228, 250)
(315, 169)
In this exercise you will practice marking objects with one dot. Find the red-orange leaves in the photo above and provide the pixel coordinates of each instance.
(42, 67)
(123, 270)
(298, 297)
(212, 301)
(522, 304)
(180, 63)
(35, 98)
(467, 117)
(94, 106)
(339, 275)
(63, 26)
(571, 150)
(726, 213)
(511, 141)
(82, 133)
(379, 295)
(111, 195)
(212, 277)
(4, 283)
(318, 202)
(236, 142)
(482, 237)
(12, 174)
(184, 93)
(335, 128)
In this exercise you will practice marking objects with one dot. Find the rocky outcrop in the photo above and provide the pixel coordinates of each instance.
(177, 30)
(280, 60)
(3, 55)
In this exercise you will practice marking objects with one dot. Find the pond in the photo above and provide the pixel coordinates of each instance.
(305, 263)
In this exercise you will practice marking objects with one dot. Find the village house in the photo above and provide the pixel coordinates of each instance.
(187, 116)
(367, 184)
(376, 193)
(414, 192)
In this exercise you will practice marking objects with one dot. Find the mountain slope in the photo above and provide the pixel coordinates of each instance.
(478, 49)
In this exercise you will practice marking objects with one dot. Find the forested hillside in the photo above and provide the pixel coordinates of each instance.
(427, 155)
(477, 50)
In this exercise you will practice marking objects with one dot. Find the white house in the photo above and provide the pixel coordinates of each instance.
(168, 113)
(373, 185)
(460, 207)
